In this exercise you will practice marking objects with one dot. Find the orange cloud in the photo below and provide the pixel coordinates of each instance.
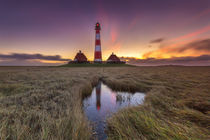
(190, 47)
(194, 48)
(52, 62)
(203, 60)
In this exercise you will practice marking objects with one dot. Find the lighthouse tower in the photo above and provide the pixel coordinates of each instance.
(97, 54)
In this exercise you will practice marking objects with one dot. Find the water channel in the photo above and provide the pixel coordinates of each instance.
(103, 102)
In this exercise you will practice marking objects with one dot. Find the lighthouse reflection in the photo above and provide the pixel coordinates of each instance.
(98, 96)
(103, 102)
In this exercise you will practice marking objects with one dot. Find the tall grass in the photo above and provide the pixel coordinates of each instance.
(176, 106)
(46, 102)
(50, 109)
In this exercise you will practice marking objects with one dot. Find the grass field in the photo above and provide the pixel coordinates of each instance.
(46, 102)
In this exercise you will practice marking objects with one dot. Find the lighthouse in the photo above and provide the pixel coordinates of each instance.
(97, 54)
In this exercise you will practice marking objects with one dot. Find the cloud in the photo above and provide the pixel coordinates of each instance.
(28, 63)
(22, 59)
(194, 34)
(23, 56)
(194, 48)
(203, 60)
(157, 40)
(196, 45)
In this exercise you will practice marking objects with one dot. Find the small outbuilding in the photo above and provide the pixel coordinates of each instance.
(114, 59)
(80, 58)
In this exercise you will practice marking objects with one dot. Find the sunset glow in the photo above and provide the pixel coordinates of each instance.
(149, 29)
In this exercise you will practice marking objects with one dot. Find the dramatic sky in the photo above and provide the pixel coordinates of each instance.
(143, 32)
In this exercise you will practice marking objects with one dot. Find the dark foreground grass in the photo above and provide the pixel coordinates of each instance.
(43, 103)
(177, 106)
(46, 102)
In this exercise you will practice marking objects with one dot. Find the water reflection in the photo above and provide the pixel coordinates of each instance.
(103, 102)
(98, 96)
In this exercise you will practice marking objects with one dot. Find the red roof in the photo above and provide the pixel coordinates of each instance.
(80, 57)
(113, 57)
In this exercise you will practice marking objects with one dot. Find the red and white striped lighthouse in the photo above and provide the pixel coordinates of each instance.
(97, 54)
